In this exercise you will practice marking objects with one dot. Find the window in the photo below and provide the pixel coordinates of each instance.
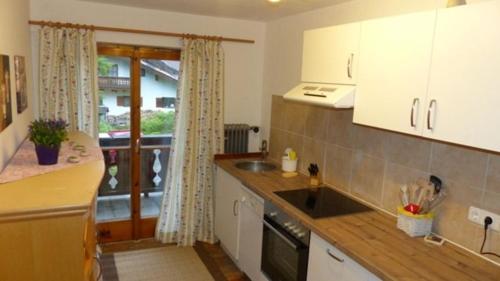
(165, 102)
(113, 71)
(143, 72)
(124, 101)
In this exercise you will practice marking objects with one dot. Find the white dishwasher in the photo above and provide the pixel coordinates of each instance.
(250, 249)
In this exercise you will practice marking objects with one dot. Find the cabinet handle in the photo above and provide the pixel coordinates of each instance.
(349, 66)
(412, 116)
(235, 203)
(429, 112)
(333, 256)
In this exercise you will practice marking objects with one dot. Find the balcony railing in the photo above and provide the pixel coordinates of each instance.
(114, 83)
(154, 160)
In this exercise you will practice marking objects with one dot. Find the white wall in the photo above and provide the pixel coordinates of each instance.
(283, 58)
(244, 62)
(15, 40)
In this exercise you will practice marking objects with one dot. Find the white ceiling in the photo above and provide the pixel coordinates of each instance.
(260, 10)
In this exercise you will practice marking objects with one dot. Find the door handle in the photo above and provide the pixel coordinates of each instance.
(430, 110)
(412, 116)
(137, 143)
(334, 256)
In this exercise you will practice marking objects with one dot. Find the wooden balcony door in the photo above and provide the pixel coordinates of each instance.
(137, 91)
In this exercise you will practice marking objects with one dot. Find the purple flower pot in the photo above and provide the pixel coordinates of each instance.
(47, 155)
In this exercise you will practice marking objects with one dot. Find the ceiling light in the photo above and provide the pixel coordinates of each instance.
(274, 1)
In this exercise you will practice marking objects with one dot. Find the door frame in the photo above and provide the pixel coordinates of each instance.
(136, 227)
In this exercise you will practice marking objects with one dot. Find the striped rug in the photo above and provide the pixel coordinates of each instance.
(170, 263)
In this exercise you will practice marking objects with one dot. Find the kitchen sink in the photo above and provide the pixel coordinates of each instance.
(255, 166)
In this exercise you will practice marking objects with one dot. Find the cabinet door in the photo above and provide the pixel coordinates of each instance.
(321, 266)
(393, 72)
(250, 249)
(465, 76)
(227, 194)
(330, 54)
(327, 263)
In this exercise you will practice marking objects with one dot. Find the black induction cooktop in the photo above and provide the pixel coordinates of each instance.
(322, 202)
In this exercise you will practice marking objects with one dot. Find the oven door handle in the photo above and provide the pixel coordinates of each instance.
(277, 232)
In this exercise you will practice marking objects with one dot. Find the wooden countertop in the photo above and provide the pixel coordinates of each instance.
(372, 239)
(70, 190)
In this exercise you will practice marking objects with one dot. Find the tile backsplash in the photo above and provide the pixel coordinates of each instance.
(372, 164)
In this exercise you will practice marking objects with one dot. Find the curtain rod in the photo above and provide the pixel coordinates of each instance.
(137, 31)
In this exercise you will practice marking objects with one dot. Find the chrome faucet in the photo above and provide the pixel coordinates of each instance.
(263, 149)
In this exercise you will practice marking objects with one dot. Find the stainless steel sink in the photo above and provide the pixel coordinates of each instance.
(255, 166)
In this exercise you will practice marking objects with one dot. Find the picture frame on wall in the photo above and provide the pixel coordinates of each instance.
(5, 97)
(21, 89)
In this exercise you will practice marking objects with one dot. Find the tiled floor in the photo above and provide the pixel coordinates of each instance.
(118, 207)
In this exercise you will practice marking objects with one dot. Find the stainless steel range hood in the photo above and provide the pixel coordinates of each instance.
(329, 95)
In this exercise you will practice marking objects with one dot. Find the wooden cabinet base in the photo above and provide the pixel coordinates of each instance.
(56, 248)
(47, 223)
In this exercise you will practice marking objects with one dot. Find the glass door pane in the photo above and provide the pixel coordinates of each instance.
(113, 202)
(158, 93)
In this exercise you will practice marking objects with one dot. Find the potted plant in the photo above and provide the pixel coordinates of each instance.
(47, 135)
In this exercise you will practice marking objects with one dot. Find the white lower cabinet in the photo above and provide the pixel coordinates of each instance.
(227, 211)
(250, 242)
(238, 223)
(327, 263)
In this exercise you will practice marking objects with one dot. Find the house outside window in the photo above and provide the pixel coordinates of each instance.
(143, 72)
(163, 102)
(124, 101)
(113, 71)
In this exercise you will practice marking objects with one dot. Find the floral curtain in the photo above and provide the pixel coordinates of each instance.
(68, 77)
(187, 213)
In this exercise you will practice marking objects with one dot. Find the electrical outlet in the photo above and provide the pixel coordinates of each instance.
(477, 215)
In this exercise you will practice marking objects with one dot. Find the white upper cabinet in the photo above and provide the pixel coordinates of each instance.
(464, 86)
(330, 54)
(393, 72)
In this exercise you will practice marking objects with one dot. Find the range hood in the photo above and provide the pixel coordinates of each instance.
(323, 94)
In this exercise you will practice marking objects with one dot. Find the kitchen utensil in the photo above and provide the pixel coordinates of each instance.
(437, 200)
(438, 184)
(313, 169)
(415, 192)
(424, 208)
(412, 208)
(404, 195)
(425, 194)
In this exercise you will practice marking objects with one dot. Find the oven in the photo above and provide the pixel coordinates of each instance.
(285, 247)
